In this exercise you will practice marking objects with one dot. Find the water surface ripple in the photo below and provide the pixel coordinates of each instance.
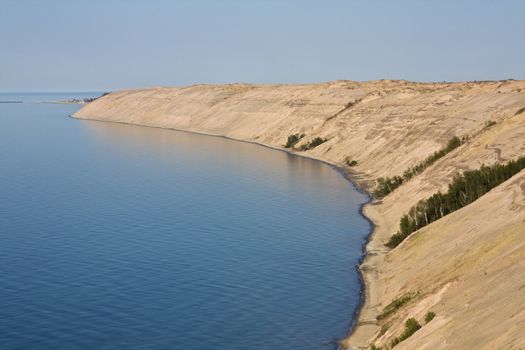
(126, 237)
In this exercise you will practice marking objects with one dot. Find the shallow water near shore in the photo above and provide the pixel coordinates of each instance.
(125, 237)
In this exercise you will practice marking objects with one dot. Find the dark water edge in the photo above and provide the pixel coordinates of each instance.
(123, 138)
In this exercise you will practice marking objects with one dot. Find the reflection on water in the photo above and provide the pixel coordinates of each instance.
(213, 154)
(119, 236)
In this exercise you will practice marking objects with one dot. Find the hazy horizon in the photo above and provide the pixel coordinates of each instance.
(62, 46)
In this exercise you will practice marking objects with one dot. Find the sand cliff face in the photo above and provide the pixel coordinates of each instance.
(467, 267)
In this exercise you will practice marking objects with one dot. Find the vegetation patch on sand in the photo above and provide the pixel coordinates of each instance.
(429, 316)
(350, 162)
(395, 305)
(411, 327)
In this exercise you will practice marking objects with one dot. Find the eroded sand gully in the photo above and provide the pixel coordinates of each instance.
(468, 267)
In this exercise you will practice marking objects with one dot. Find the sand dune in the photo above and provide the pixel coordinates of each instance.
(467, 267)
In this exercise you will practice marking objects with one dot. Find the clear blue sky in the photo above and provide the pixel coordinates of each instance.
(111, 44)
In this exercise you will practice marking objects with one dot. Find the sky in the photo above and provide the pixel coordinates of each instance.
(102, 45)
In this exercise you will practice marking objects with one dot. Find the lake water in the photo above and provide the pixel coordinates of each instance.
(125, 237)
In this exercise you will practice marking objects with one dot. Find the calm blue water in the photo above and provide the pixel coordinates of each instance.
(126, 237)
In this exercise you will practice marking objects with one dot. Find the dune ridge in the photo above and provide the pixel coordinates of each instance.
(466, 267)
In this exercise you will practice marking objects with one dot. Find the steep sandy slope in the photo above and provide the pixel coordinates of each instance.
(389, 126)
(501, 142)
(468, 268)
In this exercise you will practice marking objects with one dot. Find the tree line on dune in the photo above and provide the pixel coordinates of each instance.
(385, 185)
(464, 189)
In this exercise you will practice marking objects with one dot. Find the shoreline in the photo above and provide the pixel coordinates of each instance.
(64, 103)
(387, 127)
(349, 176)
(365, 288)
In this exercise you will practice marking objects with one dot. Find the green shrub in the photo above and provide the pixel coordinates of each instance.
(293, 139)
(429, 316)
(316, 142)
(312, 144)
(463, 190)
(394, 306)
(350, 162)
(411, 327)
(373, 347)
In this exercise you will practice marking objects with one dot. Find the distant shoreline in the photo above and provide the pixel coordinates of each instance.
(75, 101)
(65, 102)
